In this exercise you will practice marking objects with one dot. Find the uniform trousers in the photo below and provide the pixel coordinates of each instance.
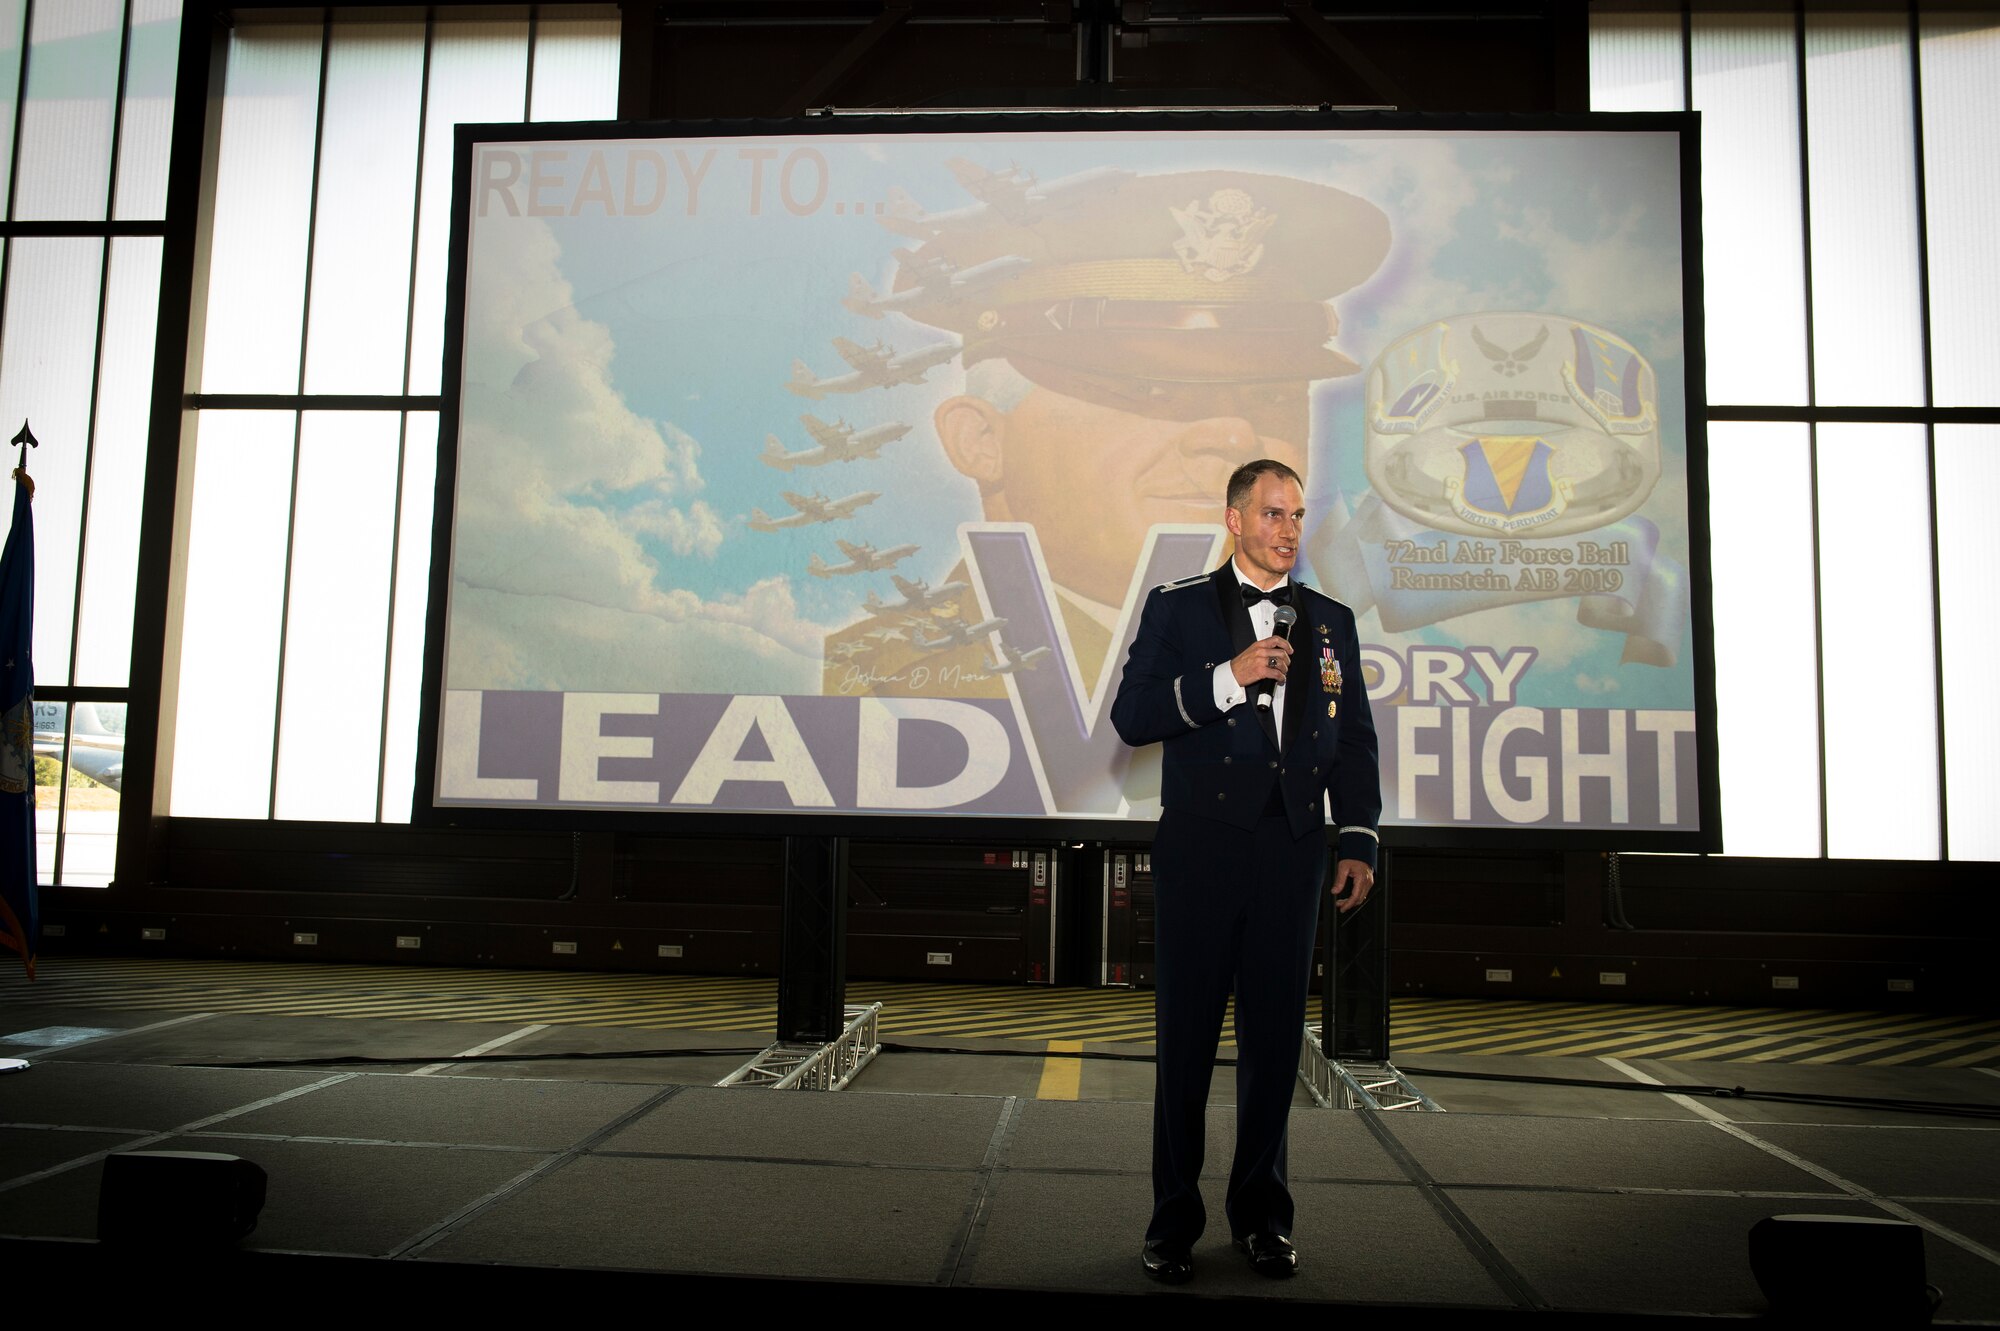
(1235, 911)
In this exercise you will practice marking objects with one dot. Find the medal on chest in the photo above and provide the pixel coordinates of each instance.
(1329, 679)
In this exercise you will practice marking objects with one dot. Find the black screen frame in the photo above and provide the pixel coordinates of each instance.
(945, 827)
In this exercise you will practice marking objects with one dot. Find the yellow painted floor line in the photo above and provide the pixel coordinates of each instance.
(1062, 1078)
(1931, 1049)
(1990, 1055)
(1855, 1052)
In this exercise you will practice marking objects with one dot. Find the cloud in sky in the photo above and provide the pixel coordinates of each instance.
(571, 507)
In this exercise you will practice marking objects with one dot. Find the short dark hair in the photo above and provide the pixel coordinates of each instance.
(1244, 479)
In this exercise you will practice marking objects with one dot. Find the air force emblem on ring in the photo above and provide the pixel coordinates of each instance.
(1512, 424)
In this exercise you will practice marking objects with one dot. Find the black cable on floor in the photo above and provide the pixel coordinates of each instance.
(362, 1060)
(1949, 1109)
(1952, 1108)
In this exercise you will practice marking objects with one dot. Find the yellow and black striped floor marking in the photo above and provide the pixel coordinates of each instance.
(1419, 1026)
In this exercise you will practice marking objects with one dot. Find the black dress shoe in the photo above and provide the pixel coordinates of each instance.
(1270, 1254)
(1167, 1264)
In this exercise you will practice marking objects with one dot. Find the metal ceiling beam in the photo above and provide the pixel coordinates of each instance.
(894, 14)
(1349, 57)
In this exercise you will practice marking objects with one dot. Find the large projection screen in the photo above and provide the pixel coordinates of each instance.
(800, 473)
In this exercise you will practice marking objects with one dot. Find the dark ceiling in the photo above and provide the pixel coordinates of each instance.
(754, 58)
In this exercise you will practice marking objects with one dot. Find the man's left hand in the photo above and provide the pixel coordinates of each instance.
(1356, 880)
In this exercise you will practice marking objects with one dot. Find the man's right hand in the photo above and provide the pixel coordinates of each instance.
(1269, 659)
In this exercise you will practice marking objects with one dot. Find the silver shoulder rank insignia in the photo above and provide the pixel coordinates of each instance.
(1184, 582)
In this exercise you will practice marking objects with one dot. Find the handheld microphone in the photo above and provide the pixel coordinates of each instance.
(1281, 627)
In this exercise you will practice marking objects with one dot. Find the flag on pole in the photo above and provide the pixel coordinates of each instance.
(20, 922)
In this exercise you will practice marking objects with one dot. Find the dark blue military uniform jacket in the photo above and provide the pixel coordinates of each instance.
(1224, 765)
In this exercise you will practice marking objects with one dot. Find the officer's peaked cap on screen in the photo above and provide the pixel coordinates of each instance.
(1188, 277)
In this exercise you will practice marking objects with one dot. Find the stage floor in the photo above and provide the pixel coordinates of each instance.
(982, 1170)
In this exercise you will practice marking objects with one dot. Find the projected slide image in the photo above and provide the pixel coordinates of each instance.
(829, 472)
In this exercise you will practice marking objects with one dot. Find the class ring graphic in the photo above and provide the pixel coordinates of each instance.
(1512, 424)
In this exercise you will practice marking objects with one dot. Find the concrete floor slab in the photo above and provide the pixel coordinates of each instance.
(726, 1217)
(134, 1098)
(1882, 1084)
(1967, 1279)
(239, 1037)
(1616, 1153)
(950, 1074)
(1899, 1161)
(19, 1016)
(387, 1195)
(61, 1206)
(740, 1122)
(1334, 1144)
(1538, 1168)
(1690, 1254)
(546, 1115)
(1356, 1242)
(1476, 1095)
(602, 1055)
(1114, 1135)
(31, 1150)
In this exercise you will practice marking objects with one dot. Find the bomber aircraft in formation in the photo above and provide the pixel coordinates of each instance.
(1012, 193)
(838, 442)
(812, 508)
(918, 597)
(933, 277)
(956, 633)
(876, 366)
(860, 559)
(1011, 660)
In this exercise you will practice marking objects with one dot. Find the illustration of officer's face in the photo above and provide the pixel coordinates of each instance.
(1093, 474)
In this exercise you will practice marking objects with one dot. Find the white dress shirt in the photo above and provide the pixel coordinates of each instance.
(1228, 693)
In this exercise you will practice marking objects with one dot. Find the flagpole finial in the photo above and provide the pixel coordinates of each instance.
(26, 440)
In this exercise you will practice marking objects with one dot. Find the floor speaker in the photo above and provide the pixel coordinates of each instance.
(178, 1199)
(1842, 1269)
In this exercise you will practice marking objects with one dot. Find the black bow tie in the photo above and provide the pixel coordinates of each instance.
(1278, 595)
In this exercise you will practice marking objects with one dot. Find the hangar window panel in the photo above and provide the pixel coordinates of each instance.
(337, 616)
(1960, 59)
(1766, 668)
(1867, 317)
(1879, 647)
(361, 238)
(89, 795)
(13, 30)
(118, 463)
(63, 159)
(576, 65)
(406, 630)
(51, 724)
(225, 712)
(479, 73)
(1635, 62)
(147, 117)
(1968, 476)
(262, 210)
(50, 332)
(1753, 238)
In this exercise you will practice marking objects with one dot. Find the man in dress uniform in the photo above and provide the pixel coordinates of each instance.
(1241, 850)
(1133, 339)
